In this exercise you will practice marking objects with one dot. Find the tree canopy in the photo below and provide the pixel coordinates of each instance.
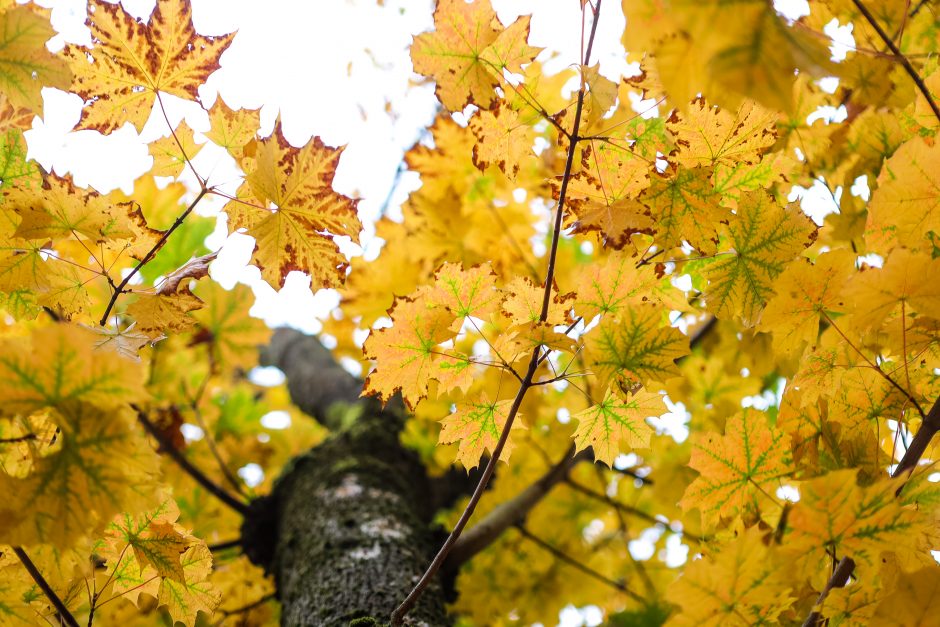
(678, 397)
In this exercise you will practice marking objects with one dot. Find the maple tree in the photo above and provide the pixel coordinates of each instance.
(582, 254)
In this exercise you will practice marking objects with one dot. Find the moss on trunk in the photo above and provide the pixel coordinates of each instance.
(347, 530)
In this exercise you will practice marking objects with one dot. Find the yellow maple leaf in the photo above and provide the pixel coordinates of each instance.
(836, 514)
(466, 292)
(684, 207)
(740, 585)
(26, 66)
(233, 336)
(603, 195)
(60, 210)
(232, 129)
(636, 348)
(764, 237)
(611, 285)
(615, 422)
(288, 205)
(709, 136)
(503, 140)
(905, 207)
(406, 353)
(185, 599)
(155, 541)
(103, 466)
(468, 50)
(131, 61)
(878, 293)
(157, 314)
(476, 426)
(915, 601)
(523, 303)
(739, 470)
(753, 54)
(805, 292)
(57, 365)
(172, 153)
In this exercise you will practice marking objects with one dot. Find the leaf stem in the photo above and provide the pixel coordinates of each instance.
(526, 383)
(899, 56)
(153, 251)
(64, 614)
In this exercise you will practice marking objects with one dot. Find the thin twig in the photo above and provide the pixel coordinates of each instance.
(590, 572)
(153, 251)
(899, 56)
(625, 534)
(626, 509)
(224, 546)
(900, 388)
(21, 438)
(438, 561)
(511, 512)
(65, 616)
(840, 576)
(211, 486)
(247, 608)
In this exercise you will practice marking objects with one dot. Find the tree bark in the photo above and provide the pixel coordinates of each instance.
(347, 529)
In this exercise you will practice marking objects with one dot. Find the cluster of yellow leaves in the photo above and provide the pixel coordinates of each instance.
(839, 347)
(111, 319)
(682, 270)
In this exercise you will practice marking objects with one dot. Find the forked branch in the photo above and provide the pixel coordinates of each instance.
(511, 512)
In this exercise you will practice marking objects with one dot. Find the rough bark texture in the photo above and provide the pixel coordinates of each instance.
(350, 519)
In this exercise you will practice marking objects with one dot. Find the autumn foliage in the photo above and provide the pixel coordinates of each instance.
(591, 270)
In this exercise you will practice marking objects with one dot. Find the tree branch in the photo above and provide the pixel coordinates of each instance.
(590, 572)
(915, 451)
(303, 359)
(899, 56)
(526, 383)
(840, 576)
(511, 512)
(211, 486)
(224, 546)
(250, 606)
(150, 253)
(65, 616)
(622, 507)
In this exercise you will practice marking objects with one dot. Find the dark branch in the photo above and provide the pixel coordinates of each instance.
(921, 440)
(247, 608)
(511, 512)
(590, 572)
(840, 576)
(65, 616)
(888, 41)
(224, 546)
(150, 253)
(211, 486)
(624, 508)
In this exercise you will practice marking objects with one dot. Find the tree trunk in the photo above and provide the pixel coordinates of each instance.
(347, 530)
